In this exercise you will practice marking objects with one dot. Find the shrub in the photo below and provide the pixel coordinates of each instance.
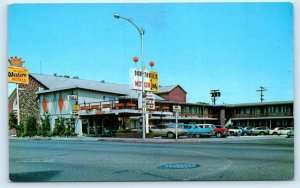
(12, 120)
(124, 131)
(39, 130)
(49, 134)
(68, 130)
(45, 126)
(30, 126)
(20, 130)
(59, 127)
(74, 134)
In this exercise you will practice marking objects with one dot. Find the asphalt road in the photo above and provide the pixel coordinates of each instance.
(237, 159)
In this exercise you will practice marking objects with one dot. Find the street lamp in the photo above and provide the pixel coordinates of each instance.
(141, 32)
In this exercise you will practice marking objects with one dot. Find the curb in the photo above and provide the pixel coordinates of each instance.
(140, 140)
(158, 141)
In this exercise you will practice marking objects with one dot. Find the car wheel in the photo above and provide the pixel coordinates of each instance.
(231, 134)
(197, 135)
(245, 134)
(219, 134)
(170, 135)
(275, 133)
(261, 133)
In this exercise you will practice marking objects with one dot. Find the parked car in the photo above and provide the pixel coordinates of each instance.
(198, 130)
(291, 133)
(167, 130)
(260, 131)
(220, 131)
(280, 130)
(246, 131)
(234, 131)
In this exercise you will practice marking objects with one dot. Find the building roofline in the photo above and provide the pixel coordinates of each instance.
(171, 89)
(32, 76)
(75, 79)
(259, 104)
(75, 87)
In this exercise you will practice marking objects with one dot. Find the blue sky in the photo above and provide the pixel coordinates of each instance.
(233, 47)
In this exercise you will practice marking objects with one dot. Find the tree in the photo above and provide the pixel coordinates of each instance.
(59, 127)
(68, 131)
(12, 120)
(45, 126)
(39, 130)
(30, 126)
(20, 130)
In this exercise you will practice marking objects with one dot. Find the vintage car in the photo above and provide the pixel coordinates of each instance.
(167, 130)
(199, 130)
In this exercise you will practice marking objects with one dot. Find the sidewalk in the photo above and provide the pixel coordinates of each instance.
(149, 140)
(112, 139)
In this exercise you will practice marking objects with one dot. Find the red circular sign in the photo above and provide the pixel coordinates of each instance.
(151, 63)
(135, 59)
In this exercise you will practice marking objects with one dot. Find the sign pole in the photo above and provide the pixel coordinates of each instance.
(17, 74)
(176, 116)
(176, 109)
(18, 104)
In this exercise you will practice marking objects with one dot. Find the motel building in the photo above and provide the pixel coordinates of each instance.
(95, 107)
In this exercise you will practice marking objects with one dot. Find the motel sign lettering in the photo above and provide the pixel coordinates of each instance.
(150, 80)
(18, 75)
(139, 84)
(150, 101)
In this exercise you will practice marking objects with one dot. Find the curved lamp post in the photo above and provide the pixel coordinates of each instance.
(141, 32)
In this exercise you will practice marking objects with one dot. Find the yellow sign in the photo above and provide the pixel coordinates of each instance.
(18, 75)
(153, 78)
(75, 107)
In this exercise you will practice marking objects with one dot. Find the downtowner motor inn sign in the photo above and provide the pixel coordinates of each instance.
(150, 80)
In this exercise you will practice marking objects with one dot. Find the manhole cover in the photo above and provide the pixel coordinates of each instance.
(178, 166)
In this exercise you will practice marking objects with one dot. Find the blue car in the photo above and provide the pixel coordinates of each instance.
(199, 130)
(246, 131)
(291, 133)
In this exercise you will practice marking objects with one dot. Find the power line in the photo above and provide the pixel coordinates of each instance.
(261, 90)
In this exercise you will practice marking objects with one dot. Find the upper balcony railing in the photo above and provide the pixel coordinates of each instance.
(277, 114)
(116, 105)
(112, 104)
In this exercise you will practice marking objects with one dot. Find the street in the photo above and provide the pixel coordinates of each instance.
(254, 158)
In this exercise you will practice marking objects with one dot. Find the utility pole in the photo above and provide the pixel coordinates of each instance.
(261, 90)
(214, 93)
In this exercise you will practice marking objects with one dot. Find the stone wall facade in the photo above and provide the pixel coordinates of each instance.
(28, 104)
(28, 99)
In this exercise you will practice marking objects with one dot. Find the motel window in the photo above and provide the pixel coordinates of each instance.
(134, 124)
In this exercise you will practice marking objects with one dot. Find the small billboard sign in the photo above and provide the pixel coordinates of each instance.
(177, 108)
(150, 101)
(18, 75)
(150, 80)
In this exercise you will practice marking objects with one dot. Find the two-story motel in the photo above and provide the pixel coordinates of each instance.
(94, 106)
